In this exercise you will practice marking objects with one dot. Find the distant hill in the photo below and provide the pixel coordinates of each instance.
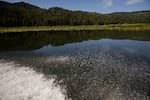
(145, 11)
(4, 4)
(24, 14)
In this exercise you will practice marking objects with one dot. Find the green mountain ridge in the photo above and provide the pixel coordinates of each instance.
(24, 14)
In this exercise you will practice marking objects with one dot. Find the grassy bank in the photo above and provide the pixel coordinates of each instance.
(123, 27)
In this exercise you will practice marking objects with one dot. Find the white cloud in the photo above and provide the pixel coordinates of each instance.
(107, 3)
(131, 2)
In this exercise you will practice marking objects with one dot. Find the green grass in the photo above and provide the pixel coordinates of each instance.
(123, 27)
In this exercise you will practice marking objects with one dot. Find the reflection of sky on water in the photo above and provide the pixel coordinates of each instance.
(126, 47)
(115, 46)
(92, 70)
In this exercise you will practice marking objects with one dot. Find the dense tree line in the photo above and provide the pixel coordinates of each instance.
(23, 14)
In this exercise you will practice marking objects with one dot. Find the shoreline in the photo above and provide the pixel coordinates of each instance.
(110, 27)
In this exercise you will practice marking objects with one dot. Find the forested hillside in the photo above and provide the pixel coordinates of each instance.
(24, 14)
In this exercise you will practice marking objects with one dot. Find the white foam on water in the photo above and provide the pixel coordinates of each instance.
(23, 83)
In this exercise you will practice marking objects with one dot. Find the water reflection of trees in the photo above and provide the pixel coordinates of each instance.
(35, 40)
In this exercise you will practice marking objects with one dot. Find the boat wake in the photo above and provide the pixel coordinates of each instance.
(23, 83)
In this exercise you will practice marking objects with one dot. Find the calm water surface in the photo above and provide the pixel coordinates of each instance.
(87, 65)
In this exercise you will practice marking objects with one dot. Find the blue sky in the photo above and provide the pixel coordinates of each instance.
(100, 6)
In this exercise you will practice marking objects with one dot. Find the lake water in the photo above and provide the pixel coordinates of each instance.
(79, 65)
